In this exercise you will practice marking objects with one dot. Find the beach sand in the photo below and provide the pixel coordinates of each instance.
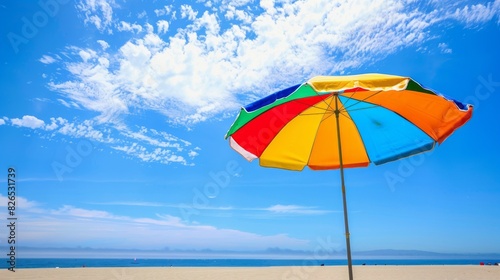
(434, 272)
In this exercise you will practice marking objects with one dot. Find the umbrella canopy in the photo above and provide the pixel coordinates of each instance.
(334, 122)
(382, 118)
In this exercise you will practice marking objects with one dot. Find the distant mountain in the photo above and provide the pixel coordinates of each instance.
(390, 252)
(421, 254)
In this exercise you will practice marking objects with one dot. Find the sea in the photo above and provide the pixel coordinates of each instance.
(92, 262)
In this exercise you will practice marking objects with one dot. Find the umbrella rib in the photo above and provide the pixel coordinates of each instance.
(342, 109)
(326, 103)
(312, 114)
(321, 113)
(345, 114)
(314, 105)
(365, 108)
(359, 101)
(348, 99)
(326, 110)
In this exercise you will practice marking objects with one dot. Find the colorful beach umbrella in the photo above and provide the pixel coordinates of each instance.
(337, 122)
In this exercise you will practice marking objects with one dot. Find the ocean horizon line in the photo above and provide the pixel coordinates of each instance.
(270, 253)
(33, 263)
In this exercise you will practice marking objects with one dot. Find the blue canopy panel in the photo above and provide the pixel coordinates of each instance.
(271, 98)
(387, 136)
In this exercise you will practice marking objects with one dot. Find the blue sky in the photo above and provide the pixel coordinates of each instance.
(114, 113)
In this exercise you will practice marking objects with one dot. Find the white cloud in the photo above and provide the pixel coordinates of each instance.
(153, 78)
(444, 48)
(153, 42)
(28, 121)
(142, 14)
(95, 88)
(70, 226)
(148, 145)
(162, 26)
(42, 99)
(81, 130)
(64, 127)
(141, 135)
(188, 12)
(268, 5)
(166, 10)
(208, 21)
(295, 209)
(160, 155)
(104, 44)
(22, 202)
(237, 14)
(87, 54)
(63, 102)
(104, 62)
(206, 66)
(479, 13)
(83, 213)
(47, 59)
(125, 26)
(53, 125)
(159, 12)
(153, 146)
(137, 203)
(97, 12)
(169, 9)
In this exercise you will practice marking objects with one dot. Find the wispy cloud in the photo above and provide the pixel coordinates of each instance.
(136, 203)
(170, 205)
(142, 135)
(50, 227)
(296, 209)
(444, 48)
(47, 59)
(207, 66)
(202, 69)
(166, 10)
(272, 210)
(148, 145)
(132, 27)
(104, 44)
(157, 155)
(77, 130)
(74, 212)
(474, 15)
(26, 204)
(97, 12)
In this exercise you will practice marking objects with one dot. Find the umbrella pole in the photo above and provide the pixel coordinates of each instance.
(346, 220)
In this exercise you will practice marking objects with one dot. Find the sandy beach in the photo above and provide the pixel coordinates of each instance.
(434, 272)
